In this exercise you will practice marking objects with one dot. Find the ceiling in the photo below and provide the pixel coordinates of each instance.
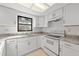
(37, 7)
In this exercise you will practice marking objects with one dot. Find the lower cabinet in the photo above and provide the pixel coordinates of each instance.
(32, 44)
(23, 46)
(68, 49)
(38, 42)
(20, 46)
(11, 47)
(43, 40)
(26, 45)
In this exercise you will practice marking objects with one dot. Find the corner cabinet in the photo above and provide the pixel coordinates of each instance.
(23, 46)
(41, 21)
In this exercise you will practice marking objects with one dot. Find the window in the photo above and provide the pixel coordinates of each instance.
(24, 24)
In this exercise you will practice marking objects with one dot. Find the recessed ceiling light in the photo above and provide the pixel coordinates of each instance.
(38, 7)
(41, 6)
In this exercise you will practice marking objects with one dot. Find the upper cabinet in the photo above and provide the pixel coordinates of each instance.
(55, 14)
(41, 21)
(71, 14)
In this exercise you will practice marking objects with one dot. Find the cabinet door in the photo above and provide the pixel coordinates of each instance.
(71, 14)
(69, 52)
(67, 49)
(11, 47)
(56, 14)
(41, 21)
(22, 46)
(32, 43)
(39, 42)
(43, 40)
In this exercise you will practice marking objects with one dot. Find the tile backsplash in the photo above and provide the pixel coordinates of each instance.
(72, 30)
(38, 29)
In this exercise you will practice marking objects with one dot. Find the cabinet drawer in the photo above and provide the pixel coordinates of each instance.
(68, 49)
(11, 42)
(65, 51)
(72, 46)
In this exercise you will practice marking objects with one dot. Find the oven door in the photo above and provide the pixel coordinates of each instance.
(52, 45)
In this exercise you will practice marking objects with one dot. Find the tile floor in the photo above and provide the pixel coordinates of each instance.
(38, 52)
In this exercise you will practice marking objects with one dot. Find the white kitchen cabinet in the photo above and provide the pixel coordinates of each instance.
(23, 45)
(43, 41)
(32, 43)
(26, 45)
(69, 52)
(71, 14)
(38, 41)
(41, 21)
(68, 49)
(55, 14)
(11, 47)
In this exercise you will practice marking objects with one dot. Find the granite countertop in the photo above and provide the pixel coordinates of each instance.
(72, 39)
(11, 35)
(32, 34)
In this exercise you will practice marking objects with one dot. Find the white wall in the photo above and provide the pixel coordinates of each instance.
(8, 19)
